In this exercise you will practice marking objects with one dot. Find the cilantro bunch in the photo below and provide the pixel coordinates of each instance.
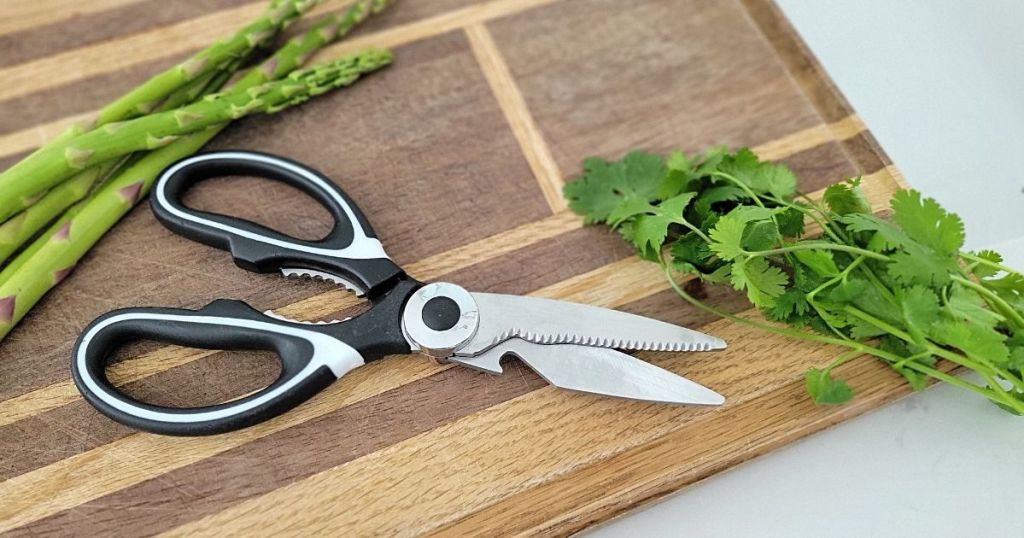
(899, 289)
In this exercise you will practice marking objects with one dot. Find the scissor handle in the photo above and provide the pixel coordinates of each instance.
(312, 356)
(310, 360)
(351, 251)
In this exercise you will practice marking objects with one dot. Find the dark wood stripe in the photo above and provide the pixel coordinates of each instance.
(7, 162)
(268, 463)
(83, 96)
(815, 82)
(83, 30)
(821, 166)
(695, 76)
(866, 151)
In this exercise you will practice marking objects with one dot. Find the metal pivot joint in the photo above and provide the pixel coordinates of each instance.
(440, 318)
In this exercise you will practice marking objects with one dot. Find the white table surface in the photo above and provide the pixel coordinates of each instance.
(941, 85)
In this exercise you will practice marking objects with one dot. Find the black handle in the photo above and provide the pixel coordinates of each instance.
(311, 358)
(351, 251)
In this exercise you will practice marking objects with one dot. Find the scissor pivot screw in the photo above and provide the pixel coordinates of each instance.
(439, 318)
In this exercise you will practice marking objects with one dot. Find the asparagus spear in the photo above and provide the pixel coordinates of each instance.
(24, 225)
(146, 97)
(159, 129)
(54, 255)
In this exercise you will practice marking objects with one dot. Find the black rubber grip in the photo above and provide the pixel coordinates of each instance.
(351, 249)
(223, 324)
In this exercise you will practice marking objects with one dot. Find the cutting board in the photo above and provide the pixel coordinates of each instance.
(457, 153)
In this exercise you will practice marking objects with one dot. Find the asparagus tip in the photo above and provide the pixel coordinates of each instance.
(7, 309)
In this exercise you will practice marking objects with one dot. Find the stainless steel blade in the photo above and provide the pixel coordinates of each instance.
(547, 321)
(596, 370)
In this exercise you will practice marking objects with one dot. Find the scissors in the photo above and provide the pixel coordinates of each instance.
(572, 346)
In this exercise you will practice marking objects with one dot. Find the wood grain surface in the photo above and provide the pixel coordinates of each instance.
(457, 153)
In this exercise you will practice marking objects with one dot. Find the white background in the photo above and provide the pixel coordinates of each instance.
(941, 85)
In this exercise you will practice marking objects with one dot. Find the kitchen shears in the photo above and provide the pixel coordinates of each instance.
(570, 345)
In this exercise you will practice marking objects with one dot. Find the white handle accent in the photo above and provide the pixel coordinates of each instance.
(363, 247)
(340, 357)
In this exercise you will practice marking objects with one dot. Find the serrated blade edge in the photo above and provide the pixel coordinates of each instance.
(549, 321)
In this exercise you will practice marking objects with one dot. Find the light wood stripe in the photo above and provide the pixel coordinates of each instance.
(518, 115)
(178, 39)
(447, 478)
(792, 144)
(64, 392)
(324, 304)
(139, 457)
(111, 467)
(33, 137)
(19, 15)
(111, 56)
(643, 474)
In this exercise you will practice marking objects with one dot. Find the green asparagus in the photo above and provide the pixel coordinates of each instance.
(52, 256)
(23, 226)
(192, 73)
(153, 131)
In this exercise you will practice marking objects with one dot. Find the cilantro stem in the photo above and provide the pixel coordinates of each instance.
(834, 280)
(1004, 308)
(998, 395)
(985, 367)
(990, 263)
(694, 229)
(844, 358)
(819, 245)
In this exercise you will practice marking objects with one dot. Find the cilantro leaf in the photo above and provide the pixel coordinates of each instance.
(760, 235)
(975, 340)
(627, 209)
(791, 222)
(763, 282)
(727, 237)
(791, 305)
(967, 305)
(820, 261)
(985, 271)
(926, 222)
(920, 308)
(918, 265)
(846, 198)
(725, 193)
(678, 177)
(712, 158)
(887, 236)
(605, 184)
(761, 177)
(650, 228)
(825, 389)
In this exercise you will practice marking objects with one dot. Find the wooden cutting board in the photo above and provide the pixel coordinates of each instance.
(457, 153)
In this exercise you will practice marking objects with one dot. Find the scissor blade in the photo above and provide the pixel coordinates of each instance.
(598, 371)
(547, 321)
